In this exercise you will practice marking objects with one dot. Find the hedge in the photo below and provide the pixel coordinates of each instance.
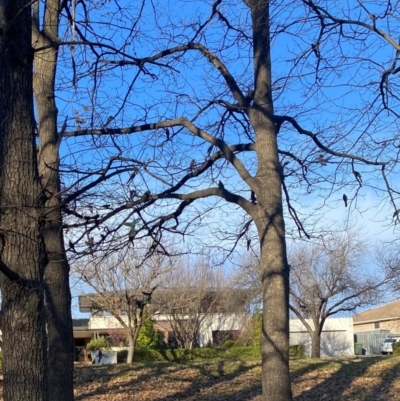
(396, 348)
(198, 354)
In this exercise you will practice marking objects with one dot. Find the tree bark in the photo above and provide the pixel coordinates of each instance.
(57, 291)
(131, 348)
(269, 217)
(21, 202)
(316, 344)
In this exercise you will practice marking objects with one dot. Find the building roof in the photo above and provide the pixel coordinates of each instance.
(231, 298)
(389, 311)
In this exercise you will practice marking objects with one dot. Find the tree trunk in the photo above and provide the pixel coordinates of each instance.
(131, 348)
(316, 344)
(21, 201)
(268, 217)
(57, 290)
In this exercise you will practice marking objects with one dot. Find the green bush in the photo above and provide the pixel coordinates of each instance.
(97, 343)
(229, 343)
(148, 337)
(297, 351)
(396, 348)
(199, 354)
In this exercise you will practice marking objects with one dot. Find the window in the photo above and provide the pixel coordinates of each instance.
(377, 325)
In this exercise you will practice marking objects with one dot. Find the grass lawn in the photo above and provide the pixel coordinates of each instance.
(355, 379)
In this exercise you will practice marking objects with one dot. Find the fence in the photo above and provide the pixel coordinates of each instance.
(371, 340)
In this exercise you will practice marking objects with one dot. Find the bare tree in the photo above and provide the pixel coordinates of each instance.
(45, 41)
(196, 295)
(214, 113)
(330, 277)
(123, 289)
(245, 134)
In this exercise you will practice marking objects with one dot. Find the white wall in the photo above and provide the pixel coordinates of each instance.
(104, 322)
(221, 321)
(337, 337)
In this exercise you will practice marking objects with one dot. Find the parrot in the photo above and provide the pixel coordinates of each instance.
(192, 165)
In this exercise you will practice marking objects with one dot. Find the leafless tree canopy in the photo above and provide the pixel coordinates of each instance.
(193, 294)
(124, 289)
(232, 114)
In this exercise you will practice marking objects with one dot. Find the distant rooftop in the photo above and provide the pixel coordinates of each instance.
(386, 312)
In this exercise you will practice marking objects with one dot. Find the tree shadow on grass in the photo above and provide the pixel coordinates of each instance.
(385, 388)
(97, 378)
(218, 381)
(173, 376)
(335, 386)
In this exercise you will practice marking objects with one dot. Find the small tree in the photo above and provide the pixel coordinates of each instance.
(98, 343)
(329, 277)
(124, 290)
(194, 292)
(148, 336)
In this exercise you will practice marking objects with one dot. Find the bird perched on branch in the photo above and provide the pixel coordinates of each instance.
(192, 165)
(357, 175)
(345, 199)
(109, 120)
(321, 160)
(220, 185)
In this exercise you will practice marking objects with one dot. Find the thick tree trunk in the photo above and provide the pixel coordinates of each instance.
(269, 218)
(57, 290)
(316, 344)
(21, 201)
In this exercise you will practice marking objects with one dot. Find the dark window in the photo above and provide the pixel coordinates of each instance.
(377, 325)
(171, 340)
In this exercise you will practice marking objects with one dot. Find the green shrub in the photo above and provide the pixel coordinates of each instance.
(297, 351)
(396, 348)
(229, 343)
(199, 354)
(148, 337)
(97, 343)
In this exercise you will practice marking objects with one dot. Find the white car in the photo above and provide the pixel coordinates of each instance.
(387, 345)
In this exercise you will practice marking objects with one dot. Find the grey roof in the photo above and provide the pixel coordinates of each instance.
(87, 302)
